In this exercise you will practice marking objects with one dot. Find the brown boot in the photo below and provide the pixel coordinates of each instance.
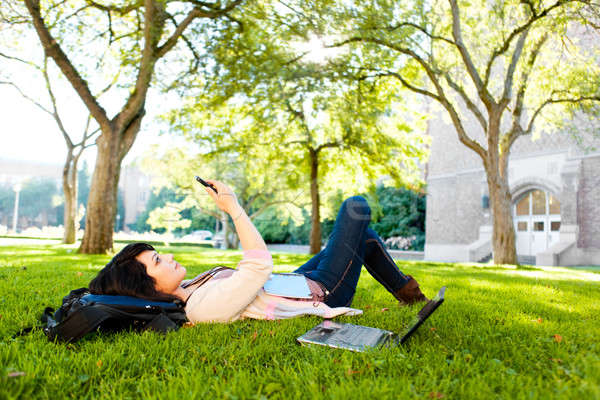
(410, 293)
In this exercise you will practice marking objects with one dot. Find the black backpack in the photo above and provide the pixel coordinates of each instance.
(82, 313)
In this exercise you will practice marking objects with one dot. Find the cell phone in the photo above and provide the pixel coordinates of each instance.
(210, 185)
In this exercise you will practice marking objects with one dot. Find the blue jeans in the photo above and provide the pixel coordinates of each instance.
(351, 245)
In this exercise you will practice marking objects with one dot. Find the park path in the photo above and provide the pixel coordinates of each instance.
(302, 249)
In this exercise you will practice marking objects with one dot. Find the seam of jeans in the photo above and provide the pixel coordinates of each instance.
(342, 278)
(383, 250)
(382, 281)
(385, 254)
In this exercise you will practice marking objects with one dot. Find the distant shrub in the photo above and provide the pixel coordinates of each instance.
(400, 214)
(399, 242)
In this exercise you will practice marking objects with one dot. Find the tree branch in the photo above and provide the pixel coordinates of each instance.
(557, 101)
(54, 51)
(326, 145)
(54, 108)
(29, 63)
(215, 7)
(440, 97)
(412, 88)
(466, 57)
(265, 206)
(470, 104)
(188, 43)
(209, 212)
(172, 40)
(516, 129)
(154, 21)
(510, 73)
(121, 10)
(462, 134)
(535, 16)
(87, 135)
(420, 28)
(41, 107)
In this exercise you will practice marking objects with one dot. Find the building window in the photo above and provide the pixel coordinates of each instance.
(523, 206)
(555, 226)
(538, 202)
(538, 226)
(554, 205)
(522, 226)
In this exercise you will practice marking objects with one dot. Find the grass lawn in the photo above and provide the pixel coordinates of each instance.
(503, 332)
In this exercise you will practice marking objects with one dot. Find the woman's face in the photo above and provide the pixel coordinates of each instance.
(167, 272)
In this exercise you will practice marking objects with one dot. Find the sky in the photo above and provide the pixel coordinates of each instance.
(28, 133)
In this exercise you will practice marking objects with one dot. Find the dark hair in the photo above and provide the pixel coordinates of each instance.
(126, 276)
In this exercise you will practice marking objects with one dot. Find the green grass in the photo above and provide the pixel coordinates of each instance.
(494, 337)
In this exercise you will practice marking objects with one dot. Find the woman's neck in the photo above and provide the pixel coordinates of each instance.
(182, 293)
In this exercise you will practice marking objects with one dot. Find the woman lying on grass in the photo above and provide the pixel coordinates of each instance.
(332, 275)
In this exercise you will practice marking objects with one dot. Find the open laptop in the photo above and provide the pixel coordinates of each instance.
(360, 338)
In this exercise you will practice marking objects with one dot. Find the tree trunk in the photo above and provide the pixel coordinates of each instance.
(496, 168)
(70, 191)
(233, 241)
(225, 229)
(504, 231)
(315, 227)
(102, 202)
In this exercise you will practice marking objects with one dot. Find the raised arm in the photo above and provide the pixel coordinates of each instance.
(227, 201)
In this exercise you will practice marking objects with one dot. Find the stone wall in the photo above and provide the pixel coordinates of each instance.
(589, 204)
(448, 154)
(454, 209)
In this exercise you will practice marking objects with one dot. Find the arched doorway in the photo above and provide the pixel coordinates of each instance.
(537, 221)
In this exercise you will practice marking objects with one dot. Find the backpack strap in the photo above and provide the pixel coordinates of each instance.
(161, 323)
(46, 316)
(79, 323)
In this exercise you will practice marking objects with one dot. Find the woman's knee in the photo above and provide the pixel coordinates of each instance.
(357, 207)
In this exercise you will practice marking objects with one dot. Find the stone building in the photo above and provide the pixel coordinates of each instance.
(14, 171)
(136, 188)
(555, 187)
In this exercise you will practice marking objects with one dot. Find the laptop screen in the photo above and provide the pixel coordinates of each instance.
(425, 312)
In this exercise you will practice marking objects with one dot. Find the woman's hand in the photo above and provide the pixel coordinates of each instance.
(226, 200)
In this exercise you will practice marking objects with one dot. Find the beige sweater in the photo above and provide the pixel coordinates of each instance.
(241, 295)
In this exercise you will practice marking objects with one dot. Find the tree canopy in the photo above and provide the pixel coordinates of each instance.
(298, 120)
(502, 64)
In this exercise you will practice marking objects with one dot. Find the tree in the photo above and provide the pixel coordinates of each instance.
(504, 64)
(303, 122)
(74, 150)
(139, 34)
(158, 198)
(176, 167)
(168, 217)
